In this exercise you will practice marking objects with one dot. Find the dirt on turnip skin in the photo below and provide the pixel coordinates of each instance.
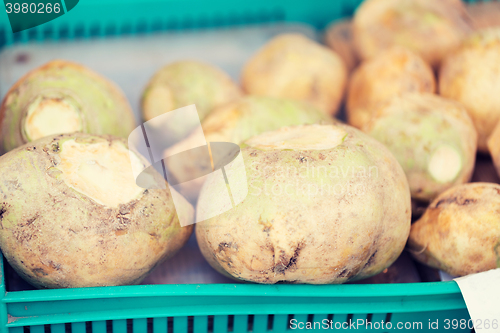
(299, 224)
(72, 215)
(460, 231)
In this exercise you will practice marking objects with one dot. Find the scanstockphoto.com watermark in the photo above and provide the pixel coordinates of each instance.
(361, 324)
(325, 180)
(412, 326)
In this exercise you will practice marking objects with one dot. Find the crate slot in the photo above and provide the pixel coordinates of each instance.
(289, 319)
(170, 325)
(210, 324)
(270, 322)
(79, 30)
(32, 34)
(250, 323)
(149, 325)
(3, 38)
(130, 326)
(47, 31)
(230, 323)
(88, 327)
(95, 29)
(109, 326)
(64, 31)
(18, 37)
(190, 324)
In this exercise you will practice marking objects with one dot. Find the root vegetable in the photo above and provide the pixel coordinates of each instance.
(433, 139)
(460, 231)
(293, 66)
(429, 28)
(326, 204)
(389, 74)
(466, 76)
(62, 97)
(184, 83)
(73, 216)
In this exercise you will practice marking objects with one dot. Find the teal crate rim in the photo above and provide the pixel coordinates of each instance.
(39, 307)
(320, 291)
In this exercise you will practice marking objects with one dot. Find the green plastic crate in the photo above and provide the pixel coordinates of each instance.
(212, 307)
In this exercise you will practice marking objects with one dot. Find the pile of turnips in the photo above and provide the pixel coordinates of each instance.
(327, 201)
(424, 88)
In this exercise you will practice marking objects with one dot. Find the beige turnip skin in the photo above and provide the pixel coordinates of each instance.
(236, 122)
(99, 103)
(293, 66)
(460, 231)
(55, 236)
(432, 137)
(183, 83)
(353, 226)
(376, 81)
(429, 28)
(467, 76)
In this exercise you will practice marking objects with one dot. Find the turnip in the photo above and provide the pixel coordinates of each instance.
(72, 215)
(430, 28)
(293, 66)
(460, 231)
(62, 97)
(433, 139)
(325, 204)
(391, 73)
(467, 75)
(183, 83)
